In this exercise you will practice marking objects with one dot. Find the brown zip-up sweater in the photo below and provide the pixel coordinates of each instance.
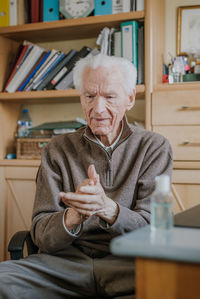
(127, 177)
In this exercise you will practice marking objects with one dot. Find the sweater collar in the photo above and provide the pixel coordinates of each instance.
(127, 130)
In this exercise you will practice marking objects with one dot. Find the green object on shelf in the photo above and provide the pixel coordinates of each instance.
(58, 125)
(191, 77)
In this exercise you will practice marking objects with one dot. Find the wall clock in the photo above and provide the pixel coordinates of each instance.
(76, 8)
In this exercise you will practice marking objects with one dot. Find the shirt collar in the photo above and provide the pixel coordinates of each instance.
(109, 148)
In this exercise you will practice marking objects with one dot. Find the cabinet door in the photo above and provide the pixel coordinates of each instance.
(185, 188)
(20, 193)
(185, 141)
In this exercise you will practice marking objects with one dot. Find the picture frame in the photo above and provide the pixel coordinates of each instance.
(188, 28)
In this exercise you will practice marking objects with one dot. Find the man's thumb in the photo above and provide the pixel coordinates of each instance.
(92, 174)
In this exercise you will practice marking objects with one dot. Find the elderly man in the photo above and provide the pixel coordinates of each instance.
(92, 185)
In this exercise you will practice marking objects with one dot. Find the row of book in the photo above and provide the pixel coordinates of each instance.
(128, 42)
(18, 12)
(34, 68)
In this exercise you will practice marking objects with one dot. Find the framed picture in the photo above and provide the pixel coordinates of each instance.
(188, 29)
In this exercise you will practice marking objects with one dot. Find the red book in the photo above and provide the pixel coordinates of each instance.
(41, 11)
(35, 7)
(15, 68)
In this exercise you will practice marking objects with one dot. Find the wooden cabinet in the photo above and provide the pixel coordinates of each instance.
(176, 115)
(17, 185)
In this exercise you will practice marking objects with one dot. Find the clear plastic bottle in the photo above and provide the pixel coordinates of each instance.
(24, 123)
(162, 205)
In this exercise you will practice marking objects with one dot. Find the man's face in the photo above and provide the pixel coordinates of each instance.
(104, 101)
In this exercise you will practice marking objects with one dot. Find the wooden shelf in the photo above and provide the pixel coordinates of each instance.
(186, 165)
(67, 29)
(17, 162)
(177, 86)
(68, 95)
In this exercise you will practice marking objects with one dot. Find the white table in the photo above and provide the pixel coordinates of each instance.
(167, 264)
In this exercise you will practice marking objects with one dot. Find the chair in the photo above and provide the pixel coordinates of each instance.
(17, 244)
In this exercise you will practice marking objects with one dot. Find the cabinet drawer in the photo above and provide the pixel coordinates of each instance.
(177, 107)
(185, 141)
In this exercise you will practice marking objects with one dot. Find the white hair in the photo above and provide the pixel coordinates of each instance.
(125, 66)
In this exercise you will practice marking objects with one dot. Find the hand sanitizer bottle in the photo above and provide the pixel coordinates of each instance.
(162, 205)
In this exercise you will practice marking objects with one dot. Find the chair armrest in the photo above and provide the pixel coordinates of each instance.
(16, 245)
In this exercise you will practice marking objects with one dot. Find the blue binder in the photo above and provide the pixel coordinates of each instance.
(50, 10)
(102, 7)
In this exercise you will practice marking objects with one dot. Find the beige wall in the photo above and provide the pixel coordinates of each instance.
(171, 24)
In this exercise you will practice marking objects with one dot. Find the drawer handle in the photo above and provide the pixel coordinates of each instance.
(190, 143)
(190, 108)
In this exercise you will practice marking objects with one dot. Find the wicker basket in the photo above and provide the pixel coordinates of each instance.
(30, 148)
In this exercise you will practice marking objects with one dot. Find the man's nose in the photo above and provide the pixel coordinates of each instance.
(99, 104)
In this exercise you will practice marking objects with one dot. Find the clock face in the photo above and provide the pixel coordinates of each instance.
(76, 8)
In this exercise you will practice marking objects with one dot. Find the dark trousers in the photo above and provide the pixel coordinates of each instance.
(74, 275)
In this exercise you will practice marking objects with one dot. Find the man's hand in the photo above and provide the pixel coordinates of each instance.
(90, 199)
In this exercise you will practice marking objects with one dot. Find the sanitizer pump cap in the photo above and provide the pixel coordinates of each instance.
(163, 183)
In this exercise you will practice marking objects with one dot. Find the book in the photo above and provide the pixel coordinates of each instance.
(21, 52)
(12, 64)
(68, 79)
(139, 4)
(102, 7)
(42, 70)
(56, 69)
(13, 13)
(82, 53)
(111, 41)
(40, 61)
(117, 43)
(119, 6)
(28, 63)
(133, 5)
(60, 56)
(27, 5)
(140, 70)
(29, 85)
(4, 13)
(35, 11)
(41, 11)
(50, 129)
(129, 41)
(50, 10)
(20, 12)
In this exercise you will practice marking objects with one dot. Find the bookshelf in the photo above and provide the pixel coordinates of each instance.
(57, 31)
(17, 177)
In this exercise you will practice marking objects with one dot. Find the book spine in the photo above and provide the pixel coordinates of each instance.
(43, 71)
(34, 11)
(66, 68)
(29, 62)
(16, 66)
(59, 58)
(50, 10)
(4, 13)
(129, 41)
(81, 54)
(34, 71)
(13, 13)
(29, 85)
(57, 68)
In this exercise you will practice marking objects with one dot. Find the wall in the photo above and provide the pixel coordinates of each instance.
(171, 24)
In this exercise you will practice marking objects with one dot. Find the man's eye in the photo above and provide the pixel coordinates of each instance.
(110, 97)
(90, 96)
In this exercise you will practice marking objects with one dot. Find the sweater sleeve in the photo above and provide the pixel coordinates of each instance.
(157, 161)
(48, 231)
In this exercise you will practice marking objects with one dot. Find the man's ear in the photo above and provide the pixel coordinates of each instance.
(131, 101)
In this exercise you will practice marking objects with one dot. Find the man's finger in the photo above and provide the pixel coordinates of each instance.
(92, 174)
